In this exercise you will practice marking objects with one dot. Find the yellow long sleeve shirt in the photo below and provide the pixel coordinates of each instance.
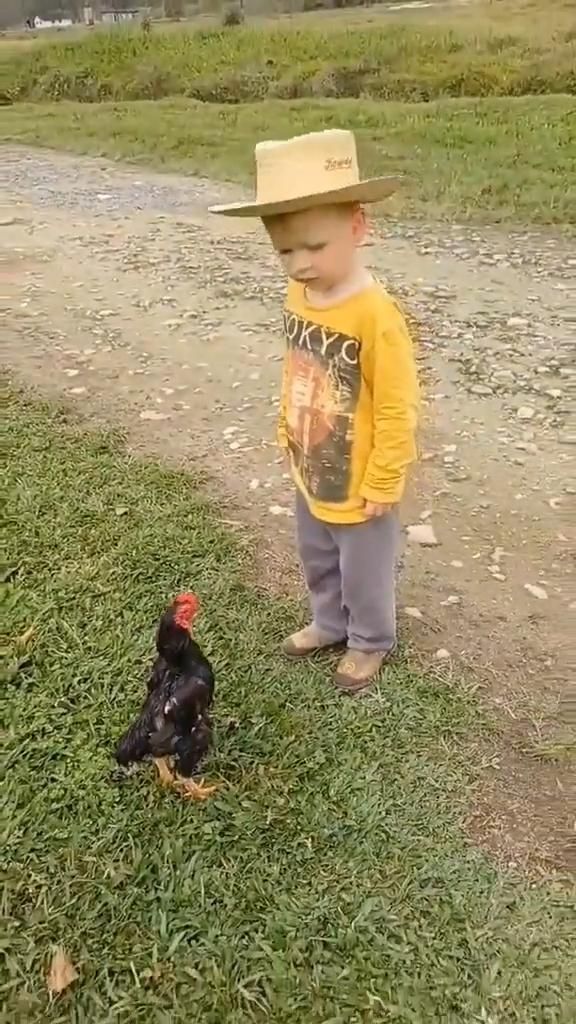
(349, 402)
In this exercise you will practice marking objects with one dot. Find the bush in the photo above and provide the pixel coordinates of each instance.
(232, 16)
(232, 88)
(81, 85)
(152, 82)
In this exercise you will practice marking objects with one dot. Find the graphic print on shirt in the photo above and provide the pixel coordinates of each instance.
(322, 386)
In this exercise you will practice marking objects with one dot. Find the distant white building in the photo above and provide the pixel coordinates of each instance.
(62, 23)
(115, 17)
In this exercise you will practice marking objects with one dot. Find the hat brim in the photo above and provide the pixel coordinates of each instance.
(371, 191)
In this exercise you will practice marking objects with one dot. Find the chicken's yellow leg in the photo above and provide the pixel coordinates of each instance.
(165, 776)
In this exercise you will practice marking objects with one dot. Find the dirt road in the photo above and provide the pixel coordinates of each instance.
(120, 292)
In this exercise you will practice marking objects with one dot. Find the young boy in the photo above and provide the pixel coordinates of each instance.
(349, 396)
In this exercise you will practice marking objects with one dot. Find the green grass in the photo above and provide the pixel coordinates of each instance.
(484, 160)
(329, 881)
(392, 60)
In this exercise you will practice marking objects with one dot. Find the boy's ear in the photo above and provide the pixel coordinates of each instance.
(359, 226)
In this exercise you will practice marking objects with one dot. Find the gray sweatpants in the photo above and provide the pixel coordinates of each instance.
(350, 576)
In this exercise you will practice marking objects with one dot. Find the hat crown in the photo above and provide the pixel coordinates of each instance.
(306, 164)
(307, 171)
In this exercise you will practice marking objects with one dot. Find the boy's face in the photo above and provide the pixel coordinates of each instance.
(318, 246)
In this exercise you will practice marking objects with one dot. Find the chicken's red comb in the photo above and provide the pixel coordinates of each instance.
(185, 609)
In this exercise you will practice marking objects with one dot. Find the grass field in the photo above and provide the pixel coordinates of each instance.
(496, 160)
(329, 881)
(531, 50)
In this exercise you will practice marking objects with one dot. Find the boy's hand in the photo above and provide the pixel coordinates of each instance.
(374, 510)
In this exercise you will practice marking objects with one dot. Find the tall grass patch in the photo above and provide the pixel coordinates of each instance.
(508, 160)
(408, 62)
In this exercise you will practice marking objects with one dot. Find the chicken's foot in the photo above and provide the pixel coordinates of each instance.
(186, 787)
(194, 790)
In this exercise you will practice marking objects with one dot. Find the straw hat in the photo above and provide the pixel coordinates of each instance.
(309, 170)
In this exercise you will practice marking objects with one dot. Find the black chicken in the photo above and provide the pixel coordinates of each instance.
(174, 728)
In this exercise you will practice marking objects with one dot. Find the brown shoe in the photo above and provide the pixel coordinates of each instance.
(357, 669)
(308, 641)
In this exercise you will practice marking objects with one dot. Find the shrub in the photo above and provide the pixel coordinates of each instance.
(232, 16)
(152, 82)
(231, 88)
(80, 85)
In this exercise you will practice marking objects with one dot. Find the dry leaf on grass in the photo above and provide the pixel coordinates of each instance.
(25, 638)
(61, 974)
